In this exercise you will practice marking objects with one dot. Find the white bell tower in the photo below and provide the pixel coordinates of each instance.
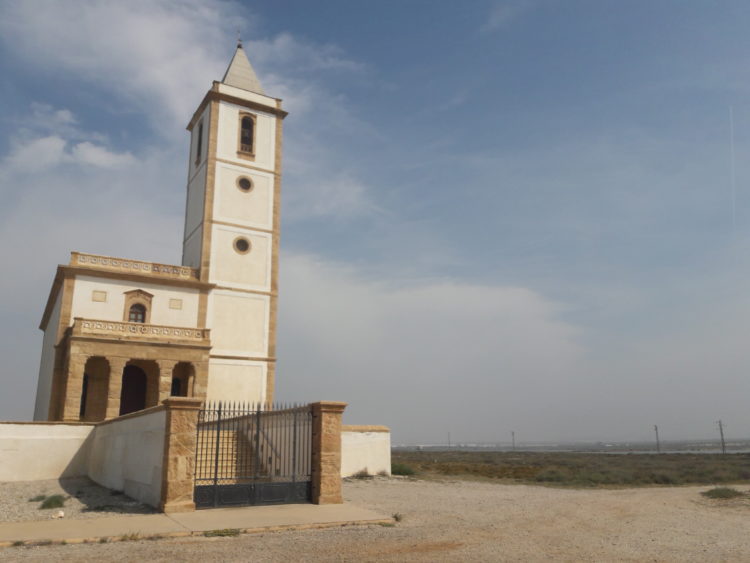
(232, 229)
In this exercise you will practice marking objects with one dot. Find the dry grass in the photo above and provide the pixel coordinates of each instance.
(581, 469)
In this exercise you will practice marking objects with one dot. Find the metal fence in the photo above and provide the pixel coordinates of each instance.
(253, 454)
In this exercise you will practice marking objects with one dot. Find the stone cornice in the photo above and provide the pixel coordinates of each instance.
(212, 95)
(140, 267)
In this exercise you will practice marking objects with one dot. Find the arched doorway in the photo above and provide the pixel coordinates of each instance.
(183, 378)
(133, 394)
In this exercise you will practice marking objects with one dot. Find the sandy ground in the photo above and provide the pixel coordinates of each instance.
(470, 521)
(83, 499)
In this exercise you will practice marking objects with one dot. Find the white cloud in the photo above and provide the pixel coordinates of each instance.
(411, 356)
(96, 155)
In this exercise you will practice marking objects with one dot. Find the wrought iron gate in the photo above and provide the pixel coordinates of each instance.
(253, 454)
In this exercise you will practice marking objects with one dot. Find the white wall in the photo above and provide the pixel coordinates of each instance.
(32, 452)
(194, 203)
(369, 451)
(47, 364)
(113, 308)
(228, 141)
(127, 455)
(236, 380)
(232, 205)
(242, 271)
(239, 323)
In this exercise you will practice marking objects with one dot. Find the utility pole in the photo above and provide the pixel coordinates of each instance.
(658, 446)
(449, 440)
(513, 437)
(721, 431)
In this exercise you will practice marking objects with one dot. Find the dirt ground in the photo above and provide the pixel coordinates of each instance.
(83, 499)
(473, 521)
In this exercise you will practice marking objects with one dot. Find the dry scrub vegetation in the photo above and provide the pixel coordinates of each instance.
(580, 469)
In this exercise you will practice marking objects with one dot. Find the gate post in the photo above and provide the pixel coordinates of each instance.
(178, 463)
(326, 452)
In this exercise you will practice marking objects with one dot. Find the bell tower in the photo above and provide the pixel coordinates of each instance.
(232, 229)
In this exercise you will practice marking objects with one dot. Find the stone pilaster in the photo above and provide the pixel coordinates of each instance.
(166, 370)
(74, 388)
(178, 466)
(326, 452)
(114, 386)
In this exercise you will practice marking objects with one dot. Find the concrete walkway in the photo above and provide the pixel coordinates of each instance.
(246, 520)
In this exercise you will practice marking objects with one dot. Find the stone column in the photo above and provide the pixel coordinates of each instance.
(326, 452)
(178, 465)
(200, 383)
(166, 371)
(74, 388)
(114, 386)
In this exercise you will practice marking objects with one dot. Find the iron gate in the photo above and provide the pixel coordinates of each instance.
(253, 454)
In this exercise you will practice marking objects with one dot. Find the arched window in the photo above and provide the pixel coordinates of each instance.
(137, 313)
(247, 133)
(199, 144)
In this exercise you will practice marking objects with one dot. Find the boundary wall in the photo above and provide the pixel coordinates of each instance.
(33, 451)
(149, 455)
(365, 448)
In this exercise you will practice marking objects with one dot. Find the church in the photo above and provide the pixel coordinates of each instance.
(123, 335)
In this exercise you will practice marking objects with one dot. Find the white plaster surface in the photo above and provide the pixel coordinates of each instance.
(228, 140)
(236, 380)
(127, 455)
(232, 205)
(35, 452)
(369, 451)
(113, 308)
(247, 95)
(206, 118)
(194, 203)
(238, 323)
(46, 365)
(191, 249)
(244, 271)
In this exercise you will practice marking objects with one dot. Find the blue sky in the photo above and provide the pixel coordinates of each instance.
(496, 215)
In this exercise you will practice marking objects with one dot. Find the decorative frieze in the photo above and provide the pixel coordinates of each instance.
(127, 330)
(133, 266)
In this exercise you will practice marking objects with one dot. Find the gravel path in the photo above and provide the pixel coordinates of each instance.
(470, 521)
(83, 499)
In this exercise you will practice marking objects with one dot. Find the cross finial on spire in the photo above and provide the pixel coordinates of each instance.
(239, 39)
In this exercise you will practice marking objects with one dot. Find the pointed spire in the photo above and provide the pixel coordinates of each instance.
(240, 73)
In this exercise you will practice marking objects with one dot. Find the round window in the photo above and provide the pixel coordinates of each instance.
(245, 184)
(242, 245)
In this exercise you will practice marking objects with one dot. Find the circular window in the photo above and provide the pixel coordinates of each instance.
(242, 245)
(244, 183)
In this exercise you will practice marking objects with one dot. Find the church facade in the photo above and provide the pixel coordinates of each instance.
(122, 335)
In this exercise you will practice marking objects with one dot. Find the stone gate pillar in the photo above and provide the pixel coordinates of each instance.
(178, 465)
(326, 452)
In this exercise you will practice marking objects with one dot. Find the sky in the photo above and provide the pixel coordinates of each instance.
(497, 216)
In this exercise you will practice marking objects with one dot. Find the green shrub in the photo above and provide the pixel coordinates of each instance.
(53, 501)
(723, 493)
(38, 498)
(401, 469)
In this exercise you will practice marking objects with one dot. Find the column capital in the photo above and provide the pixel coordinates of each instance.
(117, 361)
(166, 364)
(182, 403)
(328, 407)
